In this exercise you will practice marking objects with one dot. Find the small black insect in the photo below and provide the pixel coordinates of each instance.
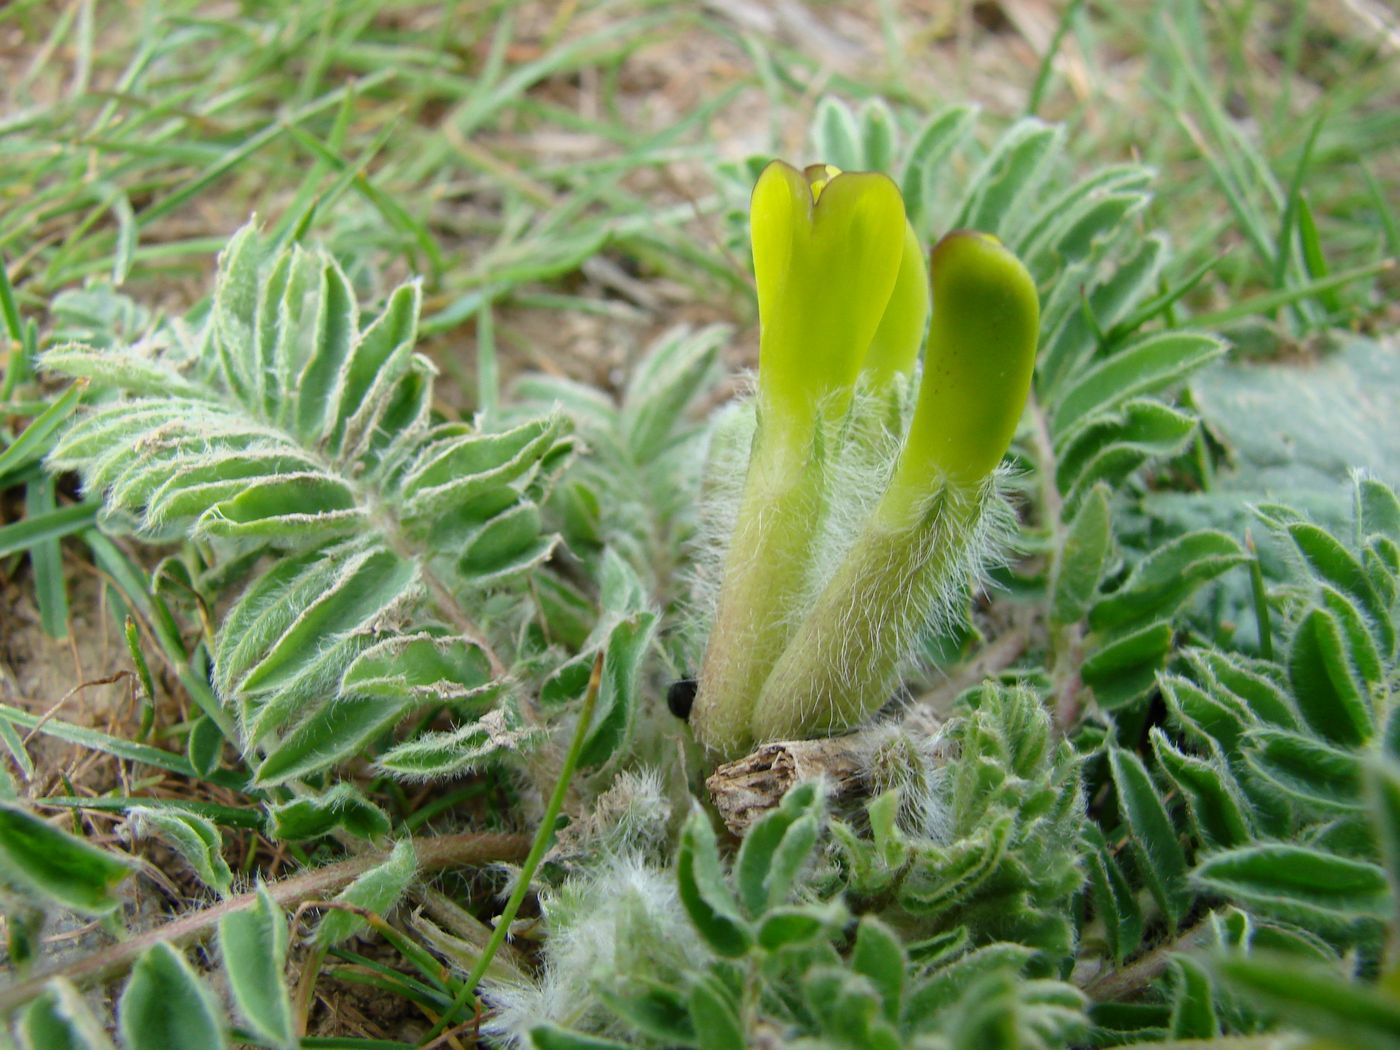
(681, 697)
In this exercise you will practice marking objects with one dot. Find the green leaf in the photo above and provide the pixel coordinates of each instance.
(1115, 902)
(476, 745)
(655, 1009)
(367, 584)
(1219, 813)
(459, 471)
(703, 891)
(1258, 695)
(34, 442)
(51, 525)
(36, 858)
(422, 668)
(1162, 581)
(1300, 883)
(1112, 445)
(331, 734)
(836, 136)
(377, 359)
(785, 927)
(1383, 792)
(1125, 667)
(1296, 428)
(1193, 1004)
(1306, 768)
(880, 957)
(1329, 697)
(59, 1019)
(1152, 831)
(1380, 508)
(195, 838)
(118, 368)
(775, 848)
(1082, 558)
(376, 891)
(715, 1016)
(936, 993)
(1009, 175)
(166, 1005)
(674, 372)
(943, 875)
(1316, 1000)
(506, 546)
(617, 697)
(205, 746)
(253, 943)
(924, 168)
(1332, 563)
(309, 507)
(1070, 342)
(312, 816)
(1147, 366)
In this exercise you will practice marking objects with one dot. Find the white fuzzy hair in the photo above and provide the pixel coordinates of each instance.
(620, 920)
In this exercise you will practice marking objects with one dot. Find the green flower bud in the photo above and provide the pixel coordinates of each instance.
(929, 532)
(831, 253)
(977, 371)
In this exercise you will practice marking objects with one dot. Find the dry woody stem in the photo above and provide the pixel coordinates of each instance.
(434, 854)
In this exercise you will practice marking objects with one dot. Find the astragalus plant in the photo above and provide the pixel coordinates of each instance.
(1158, 804)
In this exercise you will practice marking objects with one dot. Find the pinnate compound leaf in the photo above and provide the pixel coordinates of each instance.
(376, 891)
(40, 860)
(253, 943)
(166, 1005)
(704, 892)
(59, 1019)
(195, 838)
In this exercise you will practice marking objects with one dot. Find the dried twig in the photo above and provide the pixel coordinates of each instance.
(434, 854)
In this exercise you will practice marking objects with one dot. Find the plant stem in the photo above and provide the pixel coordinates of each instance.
(543, 838)
(1121, 983)
(1067, 642)
(434, 854)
